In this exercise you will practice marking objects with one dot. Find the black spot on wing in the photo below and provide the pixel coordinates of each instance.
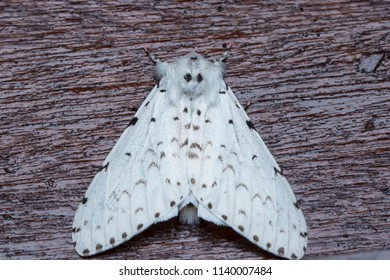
(198, 112)
(175, 118)
(104, 167)
(280, 172)
(229, 166)
(231, 121)
(98, 247)
(152, 120)
(241, 212)
(242, 185)
(185, 110)
(199, 78)
(133, 121)
(192, 155)
(140, 181)
(185, 143)
(162, 90)
(250, 125)
(196, 146)
(222, 92)
(85, 200)
(112, 240)
(153, 164)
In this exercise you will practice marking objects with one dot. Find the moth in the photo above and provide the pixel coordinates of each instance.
(190, 151)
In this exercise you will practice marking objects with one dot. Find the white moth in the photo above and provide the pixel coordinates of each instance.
(190, 149)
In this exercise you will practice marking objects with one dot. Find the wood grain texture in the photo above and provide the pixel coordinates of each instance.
(73, 72)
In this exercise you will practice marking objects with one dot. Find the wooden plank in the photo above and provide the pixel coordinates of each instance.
(71, 73)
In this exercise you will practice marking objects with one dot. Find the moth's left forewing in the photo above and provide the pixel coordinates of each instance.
(242, 186)
(142, 181)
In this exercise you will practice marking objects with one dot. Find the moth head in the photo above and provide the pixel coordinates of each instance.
(191, 76)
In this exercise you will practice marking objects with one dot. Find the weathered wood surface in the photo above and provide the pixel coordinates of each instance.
(72, 71)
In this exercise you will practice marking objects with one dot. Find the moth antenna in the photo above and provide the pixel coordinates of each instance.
(151, 55)
(226, 52)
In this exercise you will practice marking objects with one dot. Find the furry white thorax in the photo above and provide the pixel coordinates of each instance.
(192, 77)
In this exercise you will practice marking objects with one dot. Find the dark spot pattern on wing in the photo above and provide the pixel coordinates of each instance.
(277, 171)
(133, 121)
(250, 125)
(104, 167)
